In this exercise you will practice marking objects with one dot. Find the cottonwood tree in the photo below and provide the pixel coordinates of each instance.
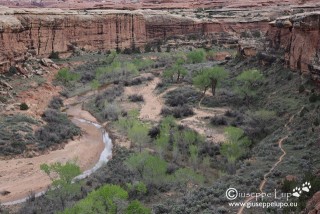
(61, 176)
(109, 199)
(151, 169)
(176, 70)
(194, 153)
(138, 134)
(167, 127)
(209, 77)
(235, 146)
(249, 81)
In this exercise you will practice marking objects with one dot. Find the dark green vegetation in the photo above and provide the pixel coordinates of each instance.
(62, 186)
(171, 168)
(262, 101)
(114, 68)
(58, 128)
(16, 134)
(20, 133)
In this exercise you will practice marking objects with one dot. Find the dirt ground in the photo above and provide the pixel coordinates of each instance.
(20, 176)
(153, 103)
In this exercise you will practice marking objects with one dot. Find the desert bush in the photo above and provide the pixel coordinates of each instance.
(65, 76)
(87, 76)
(148, 48)
(245, 34)
(135, 81)
(111, 112)
(15, 133)
(24, 107)
(218, 121)
(127, 51)
(109, 95)
(256, 34)
(154, 132)
(182, 96)
(301, 88)
(3, 99)
(196, 56)
(57, 130)
(136, 98)
(314, 98)
(178, 111)
(56, 103)
(54, 55)
(160, 85)
(12, 70)
(230, 113)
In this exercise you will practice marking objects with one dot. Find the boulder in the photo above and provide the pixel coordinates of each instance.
(46, 62)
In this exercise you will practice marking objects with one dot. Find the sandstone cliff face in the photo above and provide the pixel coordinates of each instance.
(138, 4)
(43, 31)
(59, 32)
(299, 37)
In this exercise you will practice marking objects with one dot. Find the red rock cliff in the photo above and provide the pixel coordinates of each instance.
(43, 31)
(299, 37)
(51, 31)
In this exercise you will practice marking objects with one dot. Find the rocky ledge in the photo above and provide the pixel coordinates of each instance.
(298, 36)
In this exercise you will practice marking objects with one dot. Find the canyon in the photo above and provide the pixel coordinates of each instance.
(39, 32)
(242, 36)
(153, 4)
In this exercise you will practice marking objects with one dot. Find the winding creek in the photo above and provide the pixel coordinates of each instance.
(90, 151)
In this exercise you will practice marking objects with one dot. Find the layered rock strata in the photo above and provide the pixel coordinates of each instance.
(298, 37)
(41, 32)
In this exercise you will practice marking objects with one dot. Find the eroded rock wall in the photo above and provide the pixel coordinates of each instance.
(42, 31)
(299, 37)
(47, 33)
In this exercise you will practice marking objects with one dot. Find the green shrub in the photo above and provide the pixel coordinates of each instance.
(24, 107)
(57, 130)
(256, 34)
(301, 88)
(54, 55)
(12, 70)
(151, 169)
(65, 76)
(103, 200)
(148, 48)
(56, 103)
(135, 207)
(178, 111)
(313, 98)
(136, 98)
(196, 56)
(218, 121)
(15, 133)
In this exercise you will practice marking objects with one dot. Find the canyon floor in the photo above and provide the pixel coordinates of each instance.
(137, 105)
